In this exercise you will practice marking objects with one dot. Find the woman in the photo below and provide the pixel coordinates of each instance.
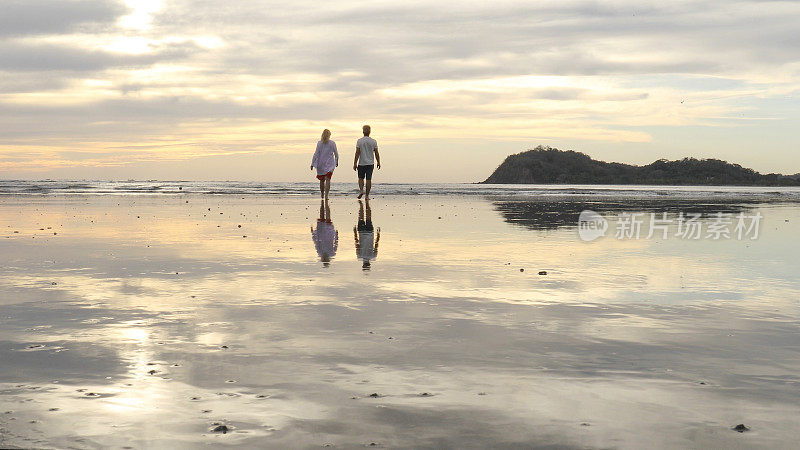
(326, 238)
(326, 159)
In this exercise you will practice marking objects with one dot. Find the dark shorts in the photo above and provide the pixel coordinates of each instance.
(365, 171)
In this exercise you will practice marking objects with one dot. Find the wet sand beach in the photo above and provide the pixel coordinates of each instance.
(480, 321)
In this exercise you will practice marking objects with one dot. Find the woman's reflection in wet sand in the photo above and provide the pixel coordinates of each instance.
(366, 239)
(326, 238)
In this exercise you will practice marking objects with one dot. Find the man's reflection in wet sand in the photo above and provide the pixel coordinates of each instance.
(366, 239)
(325, 237)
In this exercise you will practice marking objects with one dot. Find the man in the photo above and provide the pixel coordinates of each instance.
(366, 240)
(364, 162)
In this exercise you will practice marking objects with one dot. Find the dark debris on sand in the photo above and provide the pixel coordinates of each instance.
(220, 428)
(741, 428)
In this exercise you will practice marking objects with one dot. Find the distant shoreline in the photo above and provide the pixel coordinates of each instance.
(188, 189)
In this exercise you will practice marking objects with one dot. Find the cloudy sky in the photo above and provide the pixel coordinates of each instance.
(209, 89)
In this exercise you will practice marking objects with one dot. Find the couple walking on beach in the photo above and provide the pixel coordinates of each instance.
(326, 160)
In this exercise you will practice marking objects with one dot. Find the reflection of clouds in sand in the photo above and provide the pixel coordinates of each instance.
(140, 409)
(186, 231)
(621, 329)
(651, 272)
(614, 408)
(134, 334)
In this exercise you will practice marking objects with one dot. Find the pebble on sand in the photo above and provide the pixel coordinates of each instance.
(741, 428)
(374, 395)
(220, 429)
(542, 272)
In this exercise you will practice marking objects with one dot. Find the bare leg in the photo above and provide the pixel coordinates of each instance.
(360, 187)
(369, 186)
(327, 187)
(322, 188)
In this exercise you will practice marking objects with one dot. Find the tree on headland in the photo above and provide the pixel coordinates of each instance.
(547, 165)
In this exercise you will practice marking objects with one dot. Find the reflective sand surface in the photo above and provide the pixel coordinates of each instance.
(146, 322)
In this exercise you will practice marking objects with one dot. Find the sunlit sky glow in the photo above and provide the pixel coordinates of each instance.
(202, 89)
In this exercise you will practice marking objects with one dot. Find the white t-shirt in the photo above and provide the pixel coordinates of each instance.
(367, 146)
(366, 249)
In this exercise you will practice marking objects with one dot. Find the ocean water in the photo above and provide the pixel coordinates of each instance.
(54, 187)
